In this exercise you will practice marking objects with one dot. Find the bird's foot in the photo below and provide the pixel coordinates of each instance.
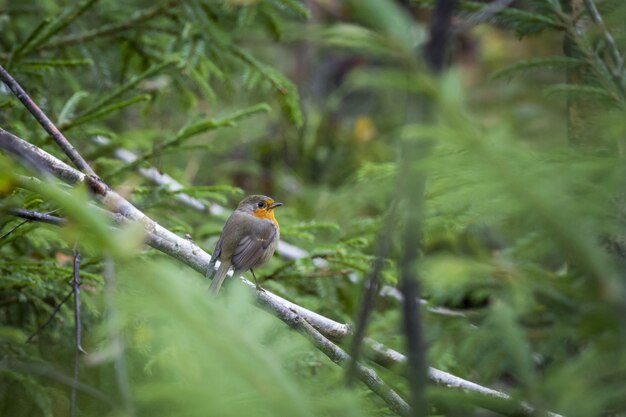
(259, 288)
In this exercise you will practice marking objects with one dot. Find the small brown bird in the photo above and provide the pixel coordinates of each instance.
(249, 239)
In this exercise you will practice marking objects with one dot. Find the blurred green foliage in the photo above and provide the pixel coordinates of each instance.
(522, 258)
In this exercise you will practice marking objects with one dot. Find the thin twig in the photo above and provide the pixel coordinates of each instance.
(35, 216)
(76, 287)
(13, 229)
(54, 313)
(43, 120)
(77, 327)
(31, 216)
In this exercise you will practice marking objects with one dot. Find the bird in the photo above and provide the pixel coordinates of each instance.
(248, 240)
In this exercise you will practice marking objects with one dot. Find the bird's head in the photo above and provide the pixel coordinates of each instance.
(259, 206)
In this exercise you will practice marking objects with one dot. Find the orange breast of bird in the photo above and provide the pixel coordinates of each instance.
(263, 213)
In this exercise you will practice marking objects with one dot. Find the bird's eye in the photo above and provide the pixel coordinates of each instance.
(260, 204)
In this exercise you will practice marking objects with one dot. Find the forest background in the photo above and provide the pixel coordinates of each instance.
(452, 180)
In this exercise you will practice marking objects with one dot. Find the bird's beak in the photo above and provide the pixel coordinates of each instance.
(274, 205)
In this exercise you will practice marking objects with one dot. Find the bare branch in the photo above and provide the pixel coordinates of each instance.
(76, 288)
(386, 357)
(35, 216)
(43, 120)
(77, 328)
(338, 356)
(33, 155)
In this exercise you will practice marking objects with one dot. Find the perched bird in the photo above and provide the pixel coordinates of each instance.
(249, 239)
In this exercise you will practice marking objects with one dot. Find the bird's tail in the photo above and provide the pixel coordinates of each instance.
(219, 278)
(211, 269)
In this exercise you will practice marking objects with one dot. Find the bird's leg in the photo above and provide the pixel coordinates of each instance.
(258, 287)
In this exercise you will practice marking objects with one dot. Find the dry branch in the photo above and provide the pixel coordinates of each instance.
(38, 217)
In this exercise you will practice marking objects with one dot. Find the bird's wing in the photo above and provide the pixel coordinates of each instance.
(251, 250)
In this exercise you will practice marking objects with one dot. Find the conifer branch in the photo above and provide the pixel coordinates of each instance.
(111, 29)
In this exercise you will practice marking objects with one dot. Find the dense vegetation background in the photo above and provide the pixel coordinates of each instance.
(504, 173)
